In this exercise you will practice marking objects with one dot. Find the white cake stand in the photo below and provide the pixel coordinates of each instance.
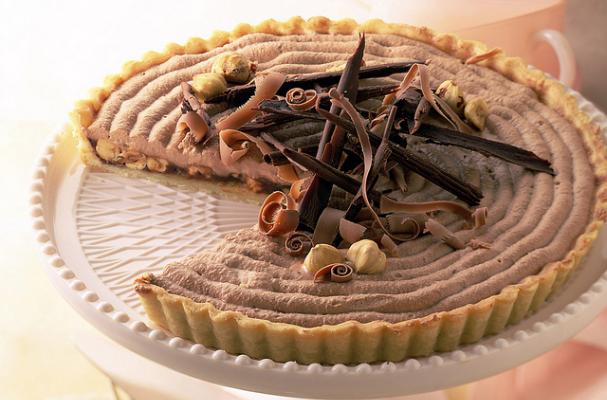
(99, 231)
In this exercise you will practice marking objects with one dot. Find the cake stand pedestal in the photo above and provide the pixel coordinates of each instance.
(99, 231)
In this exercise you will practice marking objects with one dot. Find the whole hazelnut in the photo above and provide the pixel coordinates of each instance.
(452, 95)
(157, 164)
(476, 112)
(134, 160)
(234, 67)
(320, 256)
(366, 257)
(208, 85)
(108, 150)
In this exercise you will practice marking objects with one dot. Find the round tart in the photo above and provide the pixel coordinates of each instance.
(502, 227)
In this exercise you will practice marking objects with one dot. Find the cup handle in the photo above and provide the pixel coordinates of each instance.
(564, 54)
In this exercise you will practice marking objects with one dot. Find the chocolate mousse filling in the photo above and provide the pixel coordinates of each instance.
(533, 218)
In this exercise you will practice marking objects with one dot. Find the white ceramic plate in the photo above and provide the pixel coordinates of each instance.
(99, 231)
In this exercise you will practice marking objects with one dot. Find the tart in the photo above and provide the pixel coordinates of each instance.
(476, 185)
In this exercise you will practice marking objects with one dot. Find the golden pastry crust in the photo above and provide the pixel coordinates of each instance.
(354, 342)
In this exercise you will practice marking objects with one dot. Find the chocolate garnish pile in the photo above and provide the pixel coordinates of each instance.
(358, 150)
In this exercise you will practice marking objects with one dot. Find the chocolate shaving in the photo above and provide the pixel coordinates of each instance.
(442, 233)
(237, 95)
(298, 243)
(327, 225)
(484, 56)
(266, 88)
(404, 85)
(370, 167)
(350, 231)
(332, 141)
(398, 175)
(422, 110)
(413, 162)
(487, 147)
(190, 101)
(477, 244)
(389, 245)
(318, 167)
(387, 205)
(381, 156)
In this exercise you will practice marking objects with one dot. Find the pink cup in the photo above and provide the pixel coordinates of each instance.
(529, 29)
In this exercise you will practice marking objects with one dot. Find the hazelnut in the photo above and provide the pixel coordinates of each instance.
(452, 95)
(157, 164)
(234, 67)
(208, 85)
(134, 160)
(366, 257)
(202, 171)
(476, 112)
(320, 256)
(254, 185)
(108, 150)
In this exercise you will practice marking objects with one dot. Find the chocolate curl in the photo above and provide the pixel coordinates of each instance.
(267, 86)
(337, 272)
(404, 223)
(298, 188)
(301, 100)
(484, 56)
(441, 232)
(233, 145)
(277, 215)
(480, 217)
(387, 205)
(341, 273)
(298, 243)
(192, 123)
(194, 119)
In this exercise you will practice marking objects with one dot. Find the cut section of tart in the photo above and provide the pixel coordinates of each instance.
(429, 191)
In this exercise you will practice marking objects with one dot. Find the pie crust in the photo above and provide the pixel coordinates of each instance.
(354, 342)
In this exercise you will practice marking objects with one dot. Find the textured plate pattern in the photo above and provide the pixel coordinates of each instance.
(127, 227)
